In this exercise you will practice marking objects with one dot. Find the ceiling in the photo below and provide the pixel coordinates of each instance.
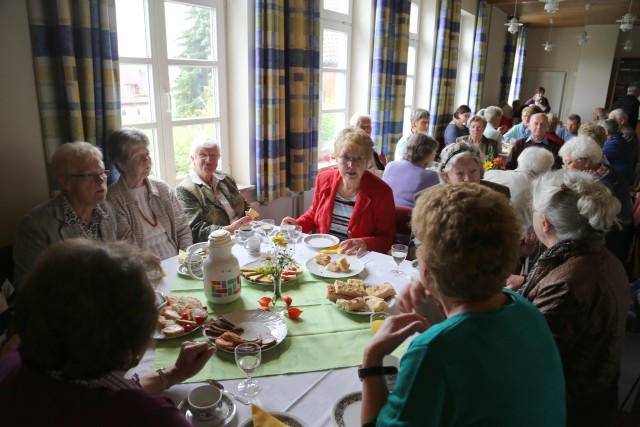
(571, 13)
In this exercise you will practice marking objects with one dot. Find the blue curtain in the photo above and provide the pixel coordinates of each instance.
(476, 88)
(518, 65)
(508, 59)
(389, 72)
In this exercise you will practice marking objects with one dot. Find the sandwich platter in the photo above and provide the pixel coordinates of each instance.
(255, 278)
(391, 300)
(250, 326)
(355, 267)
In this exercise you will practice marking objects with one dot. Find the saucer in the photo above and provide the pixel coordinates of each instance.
(228, 410)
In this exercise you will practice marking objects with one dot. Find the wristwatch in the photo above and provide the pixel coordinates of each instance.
(377, 371)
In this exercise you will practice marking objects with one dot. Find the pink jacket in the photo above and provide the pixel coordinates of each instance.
(373, 217)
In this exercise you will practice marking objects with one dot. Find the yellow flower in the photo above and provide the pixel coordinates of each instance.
(279, 240)
(488, 165)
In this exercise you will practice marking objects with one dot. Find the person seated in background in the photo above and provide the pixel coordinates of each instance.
(520, 130)
(630, 104)
(488, 147)
(210, 198)
(539, 125)
(493, 355)
(628, 132)
(419, 123)
(533, 162)
(517, 111)
(539, 100)
(79, 210)
(350, 202)
(581, 289)
(506, 118)
(85, 316)
(363, 121)
(408, 176)
(553, 126)
(570, 128)
(598, 114)
(147, 210)
(584, 154)
(492, 115)
(593, 131)
(617, 150)
(457, 127)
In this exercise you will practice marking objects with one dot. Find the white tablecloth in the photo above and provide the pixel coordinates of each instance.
(309, 396)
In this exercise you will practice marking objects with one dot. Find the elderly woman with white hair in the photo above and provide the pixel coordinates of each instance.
(581, 289)
(533, 161)
(147, 210)
(493, 115)
(584, 154)
(79, 210)
(210, 198)
(488, 146)
(363, 121)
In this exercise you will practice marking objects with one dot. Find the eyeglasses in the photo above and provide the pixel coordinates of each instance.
(209, 156)
(355, 161)
(92, 176)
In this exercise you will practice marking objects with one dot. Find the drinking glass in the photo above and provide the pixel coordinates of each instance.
(266, 227)
(294, 233)
(399, 253)
(248, 357)
(376, 320)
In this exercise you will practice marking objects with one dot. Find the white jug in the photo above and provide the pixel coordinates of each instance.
(221, 269)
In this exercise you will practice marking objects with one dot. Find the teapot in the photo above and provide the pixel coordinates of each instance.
(221, 269)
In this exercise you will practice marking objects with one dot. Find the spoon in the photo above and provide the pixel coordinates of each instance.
(221, 387)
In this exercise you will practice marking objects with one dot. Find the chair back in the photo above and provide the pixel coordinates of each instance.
(403, 224)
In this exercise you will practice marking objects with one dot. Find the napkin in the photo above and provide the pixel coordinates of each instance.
(331, 249)
(262, 418)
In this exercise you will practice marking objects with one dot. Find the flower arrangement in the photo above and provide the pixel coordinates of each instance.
(278, 260)
(493, 162)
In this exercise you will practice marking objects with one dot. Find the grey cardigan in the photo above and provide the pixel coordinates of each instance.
(163, 204)
(43, 226)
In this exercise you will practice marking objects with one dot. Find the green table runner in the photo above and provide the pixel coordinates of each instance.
(323, 337)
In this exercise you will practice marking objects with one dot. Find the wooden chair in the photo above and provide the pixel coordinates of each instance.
(403, 224)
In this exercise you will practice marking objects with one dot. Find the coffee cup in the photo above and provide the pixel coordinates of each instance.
(204, 404)
(243, 233)
(252, 244)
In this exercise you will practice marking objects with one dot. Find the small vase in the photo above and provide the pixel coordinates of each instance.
(277, 303)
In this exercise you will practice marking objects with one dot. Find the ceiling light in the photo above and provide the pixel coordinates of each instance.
(547, 45)
(551, 6)
(626, 23)
(514, 25)
(582, 38)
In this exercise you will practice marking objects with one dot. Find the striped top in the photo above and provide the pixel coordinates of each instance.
(342, 210)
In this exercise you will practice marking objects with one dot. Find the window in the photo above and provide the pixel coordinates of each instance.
(465, 57)
(409, 97)
(334, 77)
(171, 77)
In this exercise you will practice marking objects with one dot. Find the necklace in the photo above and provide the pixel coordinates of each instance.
(155, 220)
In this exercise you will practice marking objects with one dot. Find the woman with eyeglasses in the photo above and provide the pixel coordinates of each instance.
(147, 210)
(350, 202)
(210, 198)
(79, 210)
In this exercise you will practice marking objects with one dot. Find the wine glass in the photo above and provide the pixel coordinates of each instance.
(399, 253)
(248, 357)
(266, 227)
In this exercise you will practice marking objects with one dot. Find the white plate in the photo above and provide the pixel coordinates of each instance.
(346, 411)
(258, 323)
(356, 267)
(258, 263)
(287, 419)
(160, 336)
(228, 410)
(390, 300)
(321, 241)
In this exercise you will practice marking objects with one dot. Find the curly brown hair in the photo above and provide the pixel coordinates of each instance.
(470, 239)
(86, 310)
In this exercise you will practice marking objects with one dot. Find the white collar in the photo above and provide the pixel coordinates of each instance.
(197, 180)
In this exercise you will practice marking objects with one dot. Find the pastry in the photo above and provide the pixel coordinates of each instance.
(351, 289)
(354, 304)
(333, 296)
(344, 265)
(376, 304)
(323, 259)
(333, 266)
(384, 290)
(252, 213)
(173, 330)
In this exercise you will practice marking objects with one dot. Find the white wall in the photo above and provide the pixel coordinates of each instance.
(23, 176)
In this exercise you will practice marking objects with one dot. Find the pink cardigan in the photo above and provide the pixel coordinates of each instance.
(373, 217)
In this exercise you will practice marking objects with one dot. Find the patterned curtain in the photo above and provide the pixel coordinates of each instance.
(508, 59)
(287, 104)
(518, 65)
(476, 88)
(389, 72)
(76, 66)
(445, 67)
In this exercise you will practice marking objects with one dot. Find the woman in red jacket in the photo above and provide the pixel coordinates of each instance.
(351, 203)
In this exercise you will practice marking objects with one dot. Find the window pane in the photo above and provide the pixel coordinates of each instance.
(408, 96)
(334, 90)
(411, 61)
(189, 30)
(132, 28)
(338, 6)
(135, 94)
(413, 19)
(183, 136)
(332, 123)
(334, 49)
(194, 92)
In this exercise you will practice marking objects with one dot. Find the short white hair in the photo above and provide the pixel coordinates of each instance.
(355, 119)
(577, 205)
(582, 147)
(452, 153)
(535, 161)
(492, 113)
(202, 141)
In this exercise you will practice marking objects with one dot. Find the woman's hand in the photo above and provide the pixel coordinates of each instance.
(288, 220)
(393, 332)
(191, 359)
(242, 222)
(353, 247)
(414, 298)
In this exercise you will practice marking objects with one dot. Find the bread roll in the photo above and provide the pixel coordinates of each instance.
(323, 259)
(344, 265)
(376, 304)
(333, 266)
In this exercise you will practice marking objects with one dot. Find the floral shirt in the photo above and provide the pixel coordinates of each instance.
(90, 231)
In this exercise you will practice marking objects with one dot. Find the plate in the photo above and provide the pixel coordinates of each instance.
(319, 270)
(228, 410)
(160, 336)
(390, 300)
(287, 419)
(320, 241)
(346, 411)
(182, 270)
(258, 323)
(258, 263)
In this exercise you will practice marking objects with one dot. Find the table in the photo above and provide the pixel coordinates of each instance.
(309, 396)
